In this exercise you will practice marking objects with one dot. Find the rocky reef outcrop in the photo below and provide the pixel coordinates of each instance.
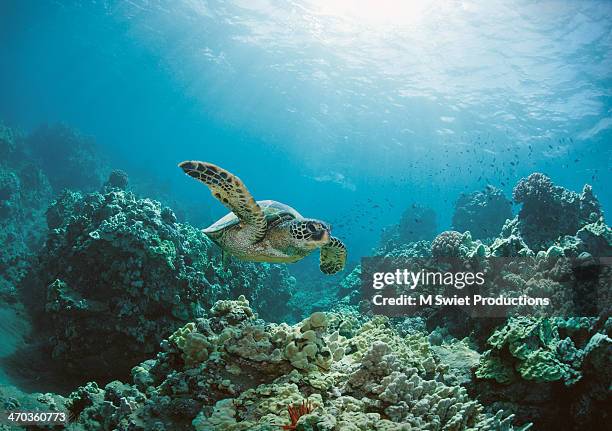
(482, 213)
(549, 212)
(33, 168)
(118, 273)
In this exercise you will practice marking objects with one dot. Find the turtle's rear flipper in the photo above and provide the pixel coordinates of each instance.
(333, 256)
(232, 193)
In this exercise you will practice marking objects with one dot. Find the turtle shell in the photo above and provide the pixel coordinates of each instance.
(274, 212)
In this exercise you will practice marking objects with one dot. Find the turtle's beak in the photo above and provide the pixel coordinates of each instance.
(321, 236)
(325, 236)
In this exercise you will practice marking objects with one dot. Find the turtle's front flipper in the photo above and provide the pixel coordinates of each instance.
(232, 193)
(333, 256)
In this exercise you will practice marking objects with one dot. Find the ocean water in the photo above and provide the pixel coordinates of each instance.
(324, 106)
(352, 112)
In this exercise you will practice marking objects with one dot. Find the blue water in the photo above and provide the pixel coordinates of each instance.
(348, 110)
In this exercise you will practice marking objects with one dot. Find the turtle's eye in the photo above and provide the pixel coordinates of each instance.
(311, 227)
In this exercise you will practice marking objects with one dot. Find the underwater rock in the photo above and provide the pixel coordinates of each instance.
(250, 377)
(550, 211)
(483, 213)
(118, 274)
(69, 159)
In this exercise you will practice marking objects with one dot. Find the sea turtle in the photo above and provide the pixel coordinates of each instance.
(264, 231)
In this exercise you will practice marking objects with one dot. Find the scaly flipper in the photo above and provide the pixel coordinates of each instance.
(333, 256)
(232, 193)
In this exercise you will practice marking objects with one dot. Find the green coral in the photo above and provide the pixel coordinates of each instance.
(533, 344)
(493, 367)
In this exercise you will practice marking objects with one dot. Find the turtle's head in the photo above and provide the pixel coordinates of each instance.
(310, 233)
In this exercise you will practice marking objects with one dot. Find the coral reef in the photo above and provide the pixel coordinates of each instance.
(483, 213)
(118, 273)
(410, 250)
(593, 238)
(122, 285)
(253, 371)
(117, 179)
(15, 400)
(509, 244)
(550, 211)
(554, 372)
